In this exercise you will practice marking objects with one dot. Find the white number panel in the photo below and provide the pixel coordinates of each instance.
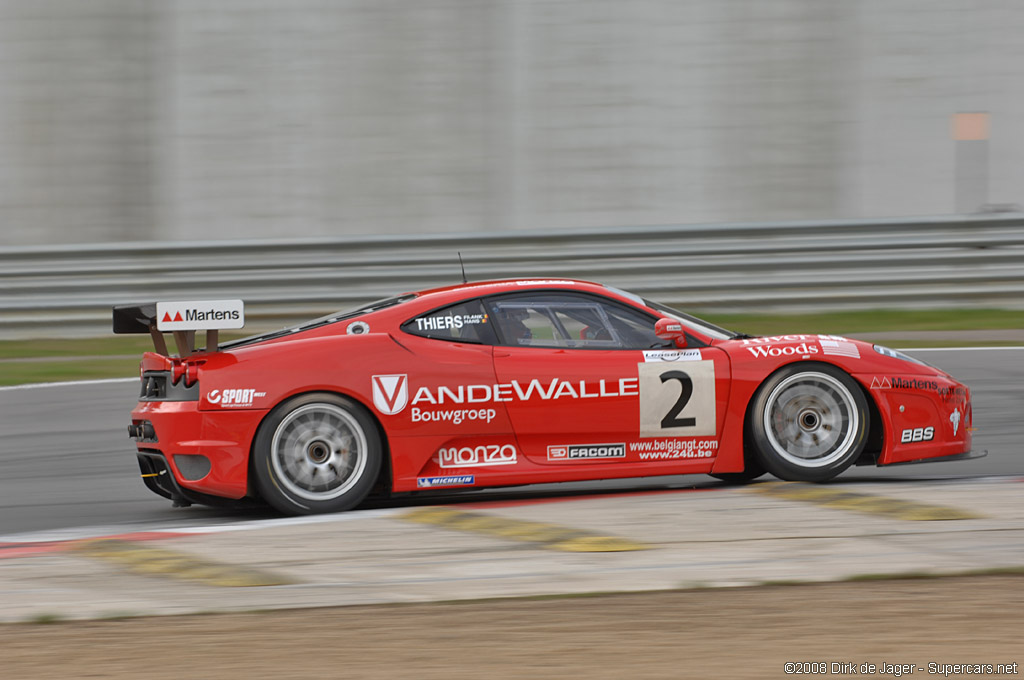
(677, 400)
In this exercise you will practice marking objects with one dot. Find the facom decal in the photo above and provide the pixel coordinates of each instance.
(917, 434)
(954, 419)
(390, 393)
(357, 328)
(586, 452)
(452, 480)
(234, 398)
(672, 355)
(477, 456)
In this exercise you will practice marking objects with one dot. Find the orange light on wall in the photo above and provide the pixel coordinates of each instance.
(970, 127)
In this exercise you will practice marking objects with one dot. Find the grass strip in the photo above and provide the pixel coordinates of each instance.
(80, 358)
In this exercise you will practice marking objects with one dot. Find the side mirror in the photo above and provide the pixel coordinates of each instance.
(670, 329)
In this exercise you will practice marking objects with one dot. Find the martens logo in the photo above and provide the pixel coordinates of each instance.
(200, 315)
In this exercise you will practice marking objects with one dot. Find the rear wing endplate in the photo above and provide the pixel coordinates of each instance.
(182, 320)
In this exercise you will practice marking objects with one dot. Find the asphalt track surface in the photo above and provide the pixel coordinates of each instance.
(66, 461)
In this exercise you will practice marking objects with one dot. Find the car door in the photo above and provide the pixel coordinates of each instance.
(587, 382)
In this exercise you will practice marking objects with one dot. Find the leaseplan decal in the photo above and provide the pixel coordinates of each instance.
(199, 315)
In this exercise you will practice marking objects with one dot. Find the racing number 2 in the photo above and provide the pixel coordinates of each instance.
(675, 402)
(671, 418)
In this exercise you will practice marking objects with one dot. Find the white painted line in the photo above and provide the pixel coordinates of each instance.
(109, 531)
(68, 383)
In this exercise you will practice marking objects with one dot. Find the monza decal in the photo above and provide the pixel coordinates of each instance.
(477, 456)
(390, 393)
(565, 452)
(449, 480)
(677, 400)
(672, 355)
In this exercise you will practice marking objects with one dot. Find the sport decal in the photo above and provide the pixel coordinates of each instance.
(954, 419)
(677, 400)
(390, 393)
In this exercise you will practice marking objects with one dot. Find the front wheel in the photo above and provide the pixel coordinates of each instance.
(808, 422)
(316, 453)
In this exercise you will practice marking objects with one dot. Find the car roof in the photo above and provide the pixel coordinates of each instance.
(481, 288)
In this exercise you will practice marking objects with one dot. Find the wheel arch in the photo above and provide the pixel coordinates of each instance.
(875, 425)
(381, 485)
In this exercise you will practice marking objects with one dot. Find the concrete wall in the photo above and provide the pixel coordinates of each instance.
(199, 119)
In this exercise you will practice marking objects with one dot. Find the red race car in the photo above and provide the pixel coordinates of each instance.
(514, 382)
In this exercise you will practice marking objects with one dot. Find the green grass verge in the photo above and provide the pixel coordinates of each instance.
(117, 356)
(866, 321)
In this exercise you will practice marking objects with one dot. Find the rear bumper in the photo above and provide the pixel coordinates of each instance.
(194, 454)
(159, 479)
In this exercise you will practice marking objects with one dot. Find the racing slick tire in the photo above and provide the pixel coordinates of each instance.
(809, 422)
(316, 453)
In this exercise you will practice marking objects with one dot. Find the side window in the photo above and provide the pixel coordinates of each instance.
(571, 321)
(464, 322)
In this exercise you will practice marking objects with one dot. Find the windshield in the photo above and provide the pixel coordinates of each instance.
(322, 321)
(699, 325)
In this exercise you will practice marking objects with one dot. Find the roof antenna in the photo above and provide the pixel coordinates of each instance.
(463, 268)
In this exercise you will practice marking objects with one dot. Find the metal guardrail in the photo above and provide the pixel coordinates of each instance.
(926, 262)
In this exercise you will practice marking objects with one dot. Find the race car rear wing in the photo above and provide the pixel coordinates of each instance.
(182, 320)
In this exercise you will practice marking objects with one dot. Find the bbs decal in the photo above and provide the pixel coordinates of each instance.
(677, 400)
(918, 434)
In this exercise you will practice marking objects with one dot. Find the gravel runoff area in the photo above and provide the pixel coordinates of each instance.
(943, 627)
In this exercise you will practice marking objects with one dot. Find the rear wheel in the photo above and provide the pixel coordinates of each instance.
(317, 453)
(809, 422)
